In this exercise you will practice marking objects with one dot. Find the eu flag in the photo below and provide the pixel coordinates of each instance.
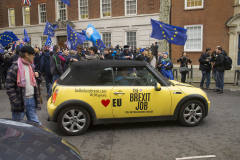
(67, 2)
(92, 34)
(74, 38)
(49, 29)
(7, 37)
(49, 41)
(26, 38)
(173, 34)
(1, 49)
(99, 44)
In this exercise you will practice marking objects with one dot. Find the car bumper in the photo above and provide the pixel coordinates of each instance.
(50, 108)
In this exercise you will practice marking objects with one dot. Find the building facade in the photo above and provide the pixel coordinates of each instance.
(207, 24)
(118, 21)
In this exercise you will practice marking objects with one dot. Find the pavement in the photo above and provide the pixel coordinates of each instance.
(197, 76)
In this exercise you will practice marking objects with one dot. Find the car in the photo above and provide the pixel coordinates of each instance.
(25, 140)
(121, 91)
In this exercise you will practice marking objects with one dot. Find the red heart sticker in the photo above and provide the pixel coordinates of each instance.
(105, 102)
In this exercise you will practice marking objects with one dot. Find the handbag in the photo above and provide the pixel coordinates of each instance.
(184, 70)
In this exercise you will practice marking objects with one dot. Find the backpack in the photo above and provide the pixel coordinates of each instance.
(227, 63)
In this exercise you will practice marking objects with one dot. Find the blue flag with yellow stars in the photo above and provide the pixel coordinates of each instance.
(99, 44)
(1, 49)
(7, 37)
(74, 37)
(26, 38)
(49, 29)
(92, 34)
(173, 34)
(48, 41)
(166, 73)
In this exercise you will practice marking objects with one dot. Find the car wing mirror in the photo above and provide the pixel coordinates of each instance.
(157, 86)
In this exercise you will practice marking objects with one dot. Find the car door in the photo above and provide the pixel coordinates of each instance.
(138, 97)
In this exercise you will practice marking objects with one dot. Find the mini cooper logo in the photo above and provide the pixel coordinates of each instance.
(105, 102)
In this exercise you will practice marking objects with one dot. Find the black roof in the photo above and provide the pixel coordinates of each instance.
(87, 72)
(99, 65)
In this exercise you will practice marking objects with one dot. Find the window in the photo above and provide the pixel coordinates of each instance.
(139, 76)
(83, 4)
(193, 4)
(130, 7)
(62, 10)
(43, 41)
(86, 44)
(105, 78)
(132, 39)
(11, 17)
(42, 13)
(26, 15)
(106, 39)
(195, 36)
(106, 8)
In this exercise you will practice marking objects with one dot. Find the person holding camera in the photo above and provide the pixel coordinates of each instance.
(205, 66)
(184, 59)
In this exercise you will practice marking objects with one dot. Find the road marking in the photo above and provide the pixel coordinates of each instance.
(196, 157)
(233, 89)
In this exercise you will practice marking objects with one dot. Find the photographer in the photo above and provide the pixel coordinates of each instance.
(184, 59)
(205, 66)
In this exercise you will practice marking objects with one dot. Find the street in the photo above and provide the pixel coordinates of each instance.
(218, 134)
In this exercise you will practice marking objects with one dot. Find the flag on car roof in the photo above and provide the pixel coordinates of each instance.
(7, 37)
(28, 2)
(49, 29)
(173, 34)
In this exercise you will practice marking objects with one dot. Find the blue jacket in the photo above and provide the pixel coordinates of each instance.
(37, 61)
(45, 64)
(121, 56)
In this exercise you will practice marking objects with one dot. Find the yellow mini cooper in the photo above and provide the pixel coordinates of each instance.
(121, 91)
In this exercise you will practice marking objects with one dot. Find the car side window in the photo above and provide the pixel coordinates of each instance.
(133, 77)
(105, 78)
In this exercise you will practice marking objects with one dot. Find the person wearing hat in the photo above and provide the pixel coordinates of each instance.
(166, 66)
(21, 86)
(93, 54)
(107, 55)
(125, 55)
(80, 55)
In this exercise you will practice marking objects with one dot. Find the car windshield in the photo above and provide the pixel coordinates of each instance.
(165, 79)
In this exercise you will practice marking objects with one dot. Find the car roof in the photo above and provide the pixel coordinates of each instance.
(87, 72)
(94, 64)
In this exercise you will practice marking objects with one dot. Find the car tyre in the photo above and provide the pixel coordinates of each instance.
(191, 113)
(73, 120)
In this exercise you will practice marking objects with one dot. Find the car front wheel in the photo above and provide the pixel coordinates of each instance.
(73, 120)
(191, 113)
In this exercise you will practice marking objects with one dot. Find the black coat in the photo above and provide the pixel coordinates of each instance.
(45, 64)
(204, 65)
(219, 63)
(184, 61)
(37, 62)
(7, 64)
(65, 64)
(108, 56)
(1, 61)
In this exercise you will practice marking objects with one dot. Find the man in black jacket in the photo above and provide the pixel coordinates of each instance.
(55, 66)
(219, 63)
(205, 66)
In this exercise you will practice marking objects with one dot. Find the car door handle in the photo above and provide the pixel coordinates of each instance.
(119, 93)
